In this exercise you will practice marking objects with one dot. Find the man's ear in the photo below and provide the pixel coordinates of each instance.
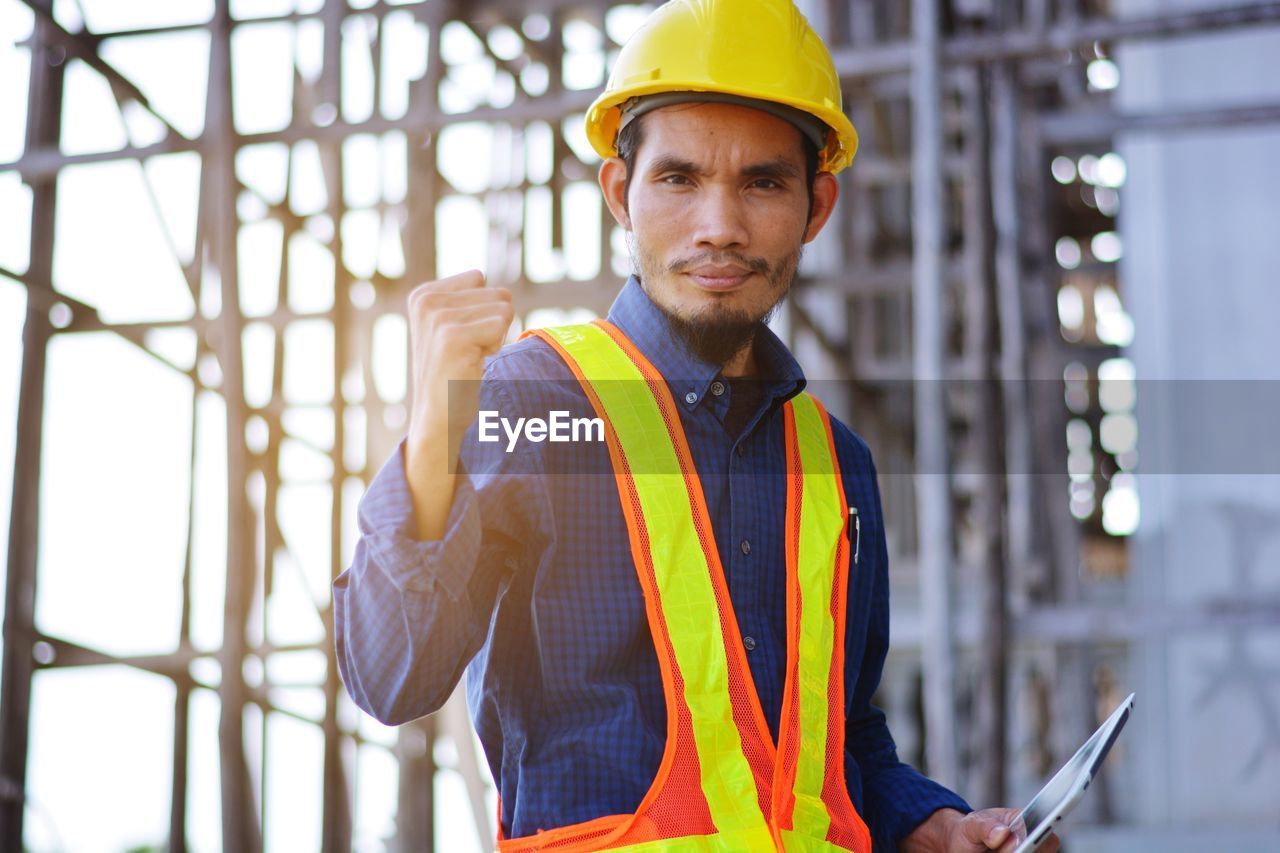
(826, 189)
(613, 184)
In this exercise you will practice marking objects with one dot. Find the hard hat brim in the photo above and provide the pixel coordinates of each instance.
(604, 118)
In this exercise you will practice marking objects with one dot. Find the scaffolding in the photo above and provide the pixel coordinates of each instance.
(934, 301)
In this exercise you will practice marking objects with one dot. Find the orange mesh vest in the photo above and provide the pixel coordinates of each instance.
(722, 784)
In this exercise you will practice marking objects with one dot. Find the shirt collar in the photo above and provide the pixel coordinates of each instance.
(646, 326)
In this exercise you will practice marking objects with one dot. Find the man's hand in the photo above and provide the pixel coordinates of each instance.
(948, 831)
(453, 324)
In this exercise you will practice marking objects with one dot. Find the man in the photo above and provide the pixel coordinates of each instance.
(672, 636)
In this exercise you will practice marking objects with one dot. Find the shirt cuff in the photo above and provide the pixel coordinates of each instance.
(389, 527)
(904, 798)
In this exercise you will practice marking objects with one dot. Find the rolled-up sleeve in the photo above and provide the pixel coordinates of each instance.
(410, 614)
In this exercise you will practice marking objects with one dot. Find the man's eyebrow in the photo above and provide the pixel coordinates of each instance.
(776, 168)
(671, 163)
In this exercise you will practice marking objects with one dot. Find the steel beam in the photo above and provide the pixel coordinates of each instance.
(336, 815)
(1079, 623)
(44, 123)
(240, 823)
(988, 729)
(415, 746)
(42, 161)
(1091, 128)
(855, 63)
(933, 493)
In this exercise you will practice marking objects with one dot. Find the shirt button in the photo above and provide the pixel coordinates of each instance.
(741, 448)
(691, 398)
(717, 387)
(746, 547)
(749, 643)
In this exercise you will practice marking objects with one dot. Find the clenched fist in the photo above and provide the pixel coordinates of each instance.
(453, 324)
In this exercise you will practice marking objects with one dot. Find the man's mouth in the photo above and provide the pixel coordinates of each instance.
(714, 277)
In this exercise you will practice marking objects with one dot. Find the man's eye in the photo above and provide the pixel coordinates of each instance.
(766, 184)
(675, 179)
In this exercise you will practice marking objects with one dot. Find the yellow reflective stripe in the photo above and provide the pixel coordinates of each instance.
(794, 842)
(682, 574)
(821, 525)
(753, 841)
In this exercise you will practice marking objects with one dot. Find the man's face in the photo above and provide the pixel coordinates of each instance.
(718, 209)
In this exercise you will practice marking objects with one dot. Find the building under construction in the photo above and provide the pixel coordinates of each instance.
(1062, 222)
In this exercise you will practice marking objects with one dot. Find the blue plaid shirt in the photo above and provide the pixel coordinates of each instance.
(533, 591)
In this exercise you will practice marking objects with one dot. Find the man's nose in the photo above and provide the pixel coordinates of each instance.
(719, 219)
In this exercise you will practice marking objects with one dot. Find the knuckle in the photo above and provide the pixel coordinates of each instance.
(434, 300)
(421, 289)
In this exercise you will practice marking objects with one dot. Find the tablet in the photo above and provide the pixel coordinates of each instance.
(1068, 785)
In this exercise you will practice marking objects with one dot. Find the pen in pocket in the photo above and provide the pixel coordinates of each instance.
(855, 532)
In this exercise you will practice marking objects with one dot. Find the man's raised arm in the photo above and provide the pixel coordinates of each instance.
(436, 544)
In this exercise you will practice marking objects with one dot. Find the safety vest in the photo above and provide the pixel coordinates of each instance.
(722, 784)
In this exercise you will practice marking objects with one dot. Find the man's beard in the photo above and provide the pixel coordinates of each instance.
(713, 333)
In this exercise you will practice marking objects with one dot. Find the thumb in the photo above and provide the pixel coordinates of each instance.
(988, 828)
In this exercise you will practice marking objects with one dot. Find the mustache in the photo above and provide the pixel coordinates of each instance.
(757, 265)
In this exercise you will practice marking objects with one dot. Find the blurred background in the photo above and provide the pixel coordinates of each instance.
(1064, 214)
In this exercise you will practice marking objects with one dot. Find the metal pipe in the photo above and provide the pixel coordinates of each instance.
(1065, 128)
(240, 828)
(44, 123)
(336, 816)
(933, 488)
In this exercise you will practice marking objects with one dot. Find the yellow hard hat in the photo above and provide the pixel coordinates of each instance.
(760, 50)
